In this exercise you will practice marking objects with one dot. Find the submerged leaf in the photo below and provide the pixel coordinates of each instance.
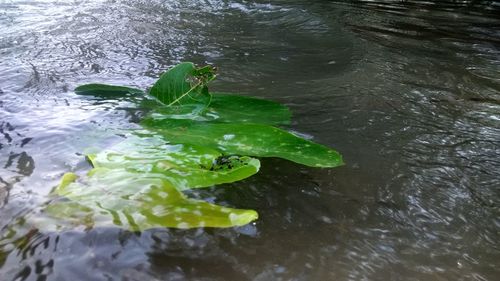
(185, 166)
(67, 179)
(246, 139)
(106, 90)
(136, 201)
(184, 84)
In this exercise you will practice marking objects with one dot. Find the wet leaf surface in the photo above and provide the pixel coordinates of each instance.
(246, 139)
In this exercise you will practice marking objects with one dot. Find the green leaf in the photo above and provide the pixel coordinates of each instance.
(246, 139)
(67, 179)
(186, 166)
(194, 140)
(184, 84)
(106, 90)
(232, 108)
(136, 184)
(136, 201)
(229, 108)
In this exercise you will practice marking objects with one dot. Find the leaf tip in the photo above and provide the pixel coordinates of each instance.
(243, 218)
(66, 180)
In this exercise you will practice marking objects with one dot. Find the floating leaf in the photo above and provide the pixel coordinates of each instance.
(184, 84)
(229, 109)
(106, 90)
(136, 201)
(246, 139)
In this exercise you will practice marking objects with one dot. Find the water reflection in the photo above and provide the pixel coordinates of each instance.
(407, 90)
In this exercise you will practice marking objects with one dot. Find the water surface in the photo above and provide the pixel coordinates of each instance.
(408, 92)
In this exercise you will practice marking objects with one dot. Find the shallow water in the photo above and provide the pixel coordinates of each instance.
(407, 92)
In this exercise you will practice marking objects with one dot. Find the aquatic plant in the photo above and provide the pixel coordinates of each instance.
(192, 139)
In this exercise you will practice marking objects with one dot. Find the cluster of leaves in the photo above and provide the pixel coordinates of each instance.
(192, 139)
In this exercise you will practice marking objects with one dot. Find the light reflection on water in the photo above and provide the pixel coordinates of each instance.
(409, 95)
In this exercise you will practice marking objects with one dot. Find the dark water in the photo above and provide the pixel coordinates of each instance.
(408, 91)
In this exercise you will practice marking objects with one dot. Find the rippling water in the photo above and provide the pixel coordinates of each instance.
(408, 91)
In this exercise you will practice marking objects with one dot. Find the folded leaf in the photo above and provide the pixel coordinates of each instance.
(183, 84)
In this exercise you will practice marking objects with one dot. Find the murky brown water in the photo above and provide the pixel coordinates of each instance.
(409, 93)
